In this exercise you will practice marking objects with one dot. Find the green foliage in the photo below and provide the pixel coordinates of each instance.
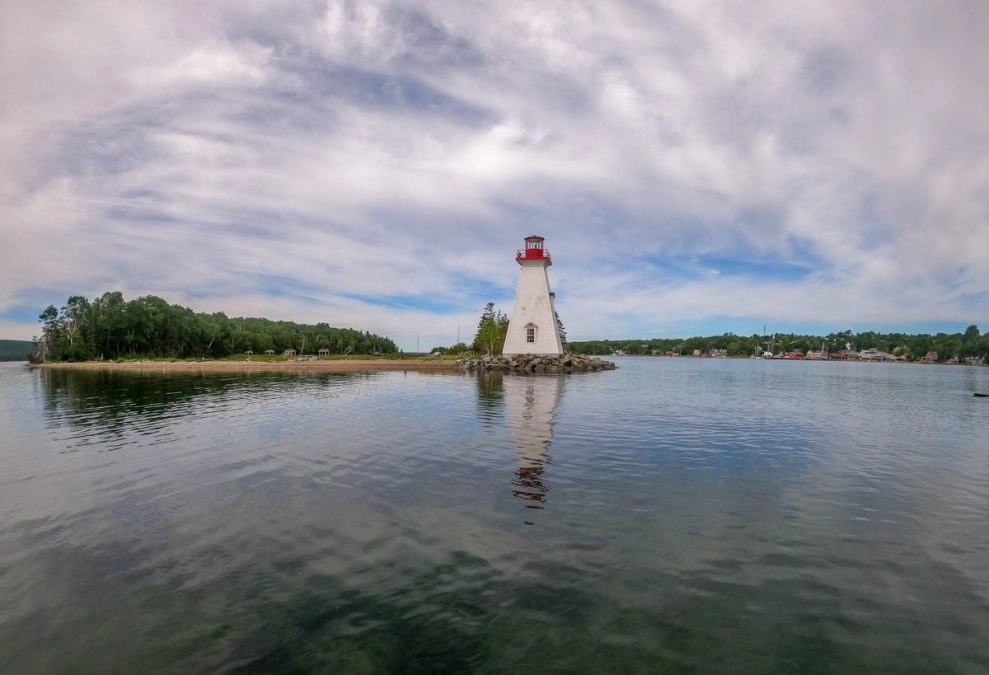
(15, 350)
(491, 331)
(562, 330)
(148, 327)
(914, 347)
(459, 348)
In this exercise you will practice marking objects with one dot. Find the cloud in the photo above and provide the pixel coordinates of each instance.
(376, 164)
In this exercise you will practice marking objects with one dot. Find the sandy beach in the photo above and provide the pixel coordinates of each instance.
(317, 366)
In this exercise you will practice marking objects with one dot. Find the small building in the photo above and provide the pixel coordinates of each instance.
(250, 352)
(269, 352)
(288, 352)
(324, 352)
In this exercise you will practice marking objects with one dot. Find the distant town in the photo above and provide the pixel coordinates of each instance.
(969, 347)
(823, 355)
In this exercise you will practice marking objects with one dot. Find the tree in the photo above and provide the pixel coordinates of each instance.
(79, 327)
(970, 342)
(562, 331)
(491, 331)
(458, 348)
(51, 334)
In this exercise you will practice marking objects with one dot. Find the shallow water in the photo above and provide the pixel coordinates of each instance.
(678, 515)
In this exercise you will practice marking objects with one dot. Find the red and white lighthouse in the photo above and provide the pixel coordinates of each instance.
(533, 328)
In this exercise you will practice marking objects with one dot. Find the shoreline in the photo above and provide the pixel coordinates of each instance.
(316, 366)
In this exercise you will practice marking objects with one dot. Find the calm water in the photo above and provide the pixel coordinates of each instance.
(675, 515)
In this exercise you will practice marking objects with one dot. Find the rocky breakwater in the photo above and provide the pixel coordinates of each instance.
(534, 363)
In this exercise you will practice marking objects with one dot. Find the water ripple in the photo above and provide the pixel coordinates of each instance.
(674, 514)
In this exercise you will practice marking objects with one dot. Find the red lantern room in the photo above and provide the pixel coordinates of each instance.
(534, 250)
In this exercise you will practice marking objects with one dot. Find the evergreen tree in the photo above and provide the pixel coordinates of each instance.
(561, 329)
(491, 331)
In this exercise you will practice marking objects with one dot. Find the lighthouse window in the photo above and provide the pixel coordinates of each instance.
(530, 334)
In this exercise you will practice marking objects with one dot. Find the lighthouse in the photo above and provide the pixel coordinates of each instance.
(533, 328)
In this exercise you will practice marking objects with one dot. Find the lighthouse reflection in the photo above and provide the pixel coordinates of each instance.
(530, 408)
(527, 404)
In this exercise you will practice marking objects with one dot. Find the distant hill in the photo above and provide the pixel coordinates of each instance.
(15, 350)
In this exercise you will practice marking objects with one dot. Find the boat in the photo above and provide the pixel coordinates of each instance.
(980, 395)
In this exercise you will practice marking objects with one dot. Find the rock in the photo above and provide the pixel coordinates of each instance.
(530, 363)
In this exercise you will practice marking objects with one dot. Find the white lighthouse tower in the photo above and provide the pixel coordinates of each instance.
(532, 328)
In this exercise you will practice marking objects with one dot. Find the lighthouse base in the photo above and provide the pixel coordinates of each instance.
(536, 363)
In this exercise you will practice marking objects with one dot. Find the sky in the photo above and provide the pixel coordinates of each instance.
(695, 167)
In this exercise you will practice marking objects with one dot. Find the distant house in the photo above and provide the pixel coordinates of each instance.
(249, 352)
(288, 352)
(877, 355)
(718, 353)
(269, 352)
(930, 357)
(324, 352)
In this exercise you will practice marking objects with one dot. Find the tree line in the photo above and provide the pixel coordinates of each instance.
(493, 327)
(15, 350)
(110, 327)
(914, 346)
